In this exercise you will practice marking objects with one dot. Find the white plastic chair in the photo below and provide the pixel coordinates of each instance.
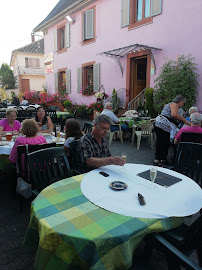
(111, 134)
(146, 131)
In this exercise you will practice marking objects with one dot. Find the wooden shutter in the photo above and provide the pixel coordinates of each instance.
(56, 82)
(67, 35)
(68, 81)
(55, 33)
(89, 24)
(156, 7)
(96, 77)
(125, 13)
(79, 79)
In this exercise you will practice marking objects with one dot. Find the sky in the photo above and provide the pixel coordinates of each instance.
(17, 20)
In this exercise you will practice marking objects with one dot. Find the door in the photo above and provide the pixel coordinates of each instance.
(25, 85)
(138, 67)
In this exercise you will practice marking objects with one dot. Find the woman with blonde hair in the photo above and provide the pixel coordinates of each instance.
(10, 123)
(30, 130)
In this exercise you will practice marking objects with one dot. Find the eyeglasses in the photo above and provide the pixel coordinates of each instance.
(41, 110)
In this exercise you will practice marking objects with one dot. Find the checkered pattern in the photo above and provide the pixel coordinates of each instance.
(72, 233)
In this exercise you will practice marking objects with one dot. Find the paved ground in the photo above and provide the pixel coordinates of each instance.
(13, 224)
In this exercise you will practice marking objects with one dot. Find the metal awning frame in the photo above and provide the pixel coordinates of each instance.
(117, 54)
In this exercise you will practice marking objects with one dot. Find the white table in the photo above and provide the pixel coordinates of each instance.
(181, 199)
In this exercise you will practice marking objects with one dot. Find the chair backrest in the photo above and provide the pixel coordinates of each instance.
(48, 166)
(20, 112)
(52, 114)
(73, 157)
(56, 108)
(22, 161)
(188, 160)
(191, 137)
(30, 111)
(146, 128)
(87, 127)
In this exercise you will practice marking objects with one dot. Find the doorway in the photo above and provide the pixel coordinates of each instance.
(25, 85)
(138, 75)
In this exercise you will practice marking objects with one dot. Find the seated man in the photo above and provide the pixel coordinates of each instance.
(93, 148)
(114, 120)
(24, 101)
(195, 127)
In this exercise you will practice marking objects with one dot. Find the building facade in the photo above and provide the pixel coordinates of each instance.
(119, 44)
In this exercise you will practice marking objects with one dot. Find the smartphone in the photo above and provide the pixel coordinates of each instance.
(104, 174)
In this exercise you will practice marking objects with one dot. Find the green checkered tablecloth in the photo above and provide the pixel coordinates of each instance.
(62, 114)
(72, 233)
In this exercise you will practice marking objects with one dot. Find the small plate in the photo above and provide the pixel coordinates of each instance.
(118, 185)
(46, 134)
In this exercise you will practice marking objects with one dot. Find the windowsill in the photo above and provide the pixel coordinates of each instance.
(140, 23)
(62, 50)
(88, 41)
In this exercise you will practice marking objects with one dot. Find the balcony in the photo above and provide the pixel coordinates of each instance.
(31, 71)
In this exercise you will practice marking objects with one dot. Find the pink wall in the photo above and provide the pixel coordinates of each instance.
(176, 31)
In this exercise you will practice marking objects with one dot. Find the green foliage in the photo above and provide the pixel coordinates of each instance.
(140, 107)
(149, 104)
(176, 78)
(81, 110)
(7, 78)
(2, 94)
(67, 104)
(115, 100)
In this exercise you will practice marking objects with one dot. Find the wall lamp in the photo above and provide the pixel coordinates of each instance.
(70, 19)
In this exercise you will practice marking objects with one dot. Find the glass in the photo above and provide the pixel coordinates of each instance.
(153, 174)
(124, 157)
(58, 128)
(139, 10)
(9, 136)
(147, 9)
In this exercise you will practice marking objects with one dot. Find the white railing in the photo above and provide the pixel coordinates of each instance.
(140, 98)
(31, 71)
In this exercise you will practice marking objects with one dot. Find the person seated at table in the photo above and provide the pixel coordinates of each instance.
(15, 101)
(44, 122)
(93, 148)
(29, 129)
(10, 123)
(191, 110)
(72, 132)
(195, 127)
(114, 120)
(24, 101)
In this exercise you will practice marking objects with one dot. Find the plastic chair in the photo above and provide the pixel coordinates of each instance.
(111, 133)
(146, 131)
(87, 127)
(188, 161)
(48, 166)
(178, 244)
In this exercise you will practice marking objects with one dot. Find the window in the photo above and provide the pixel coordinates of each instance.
(32, 62)
(88, 26)
(63, 79)
(88, 75)
(139, 12)
(62, 38)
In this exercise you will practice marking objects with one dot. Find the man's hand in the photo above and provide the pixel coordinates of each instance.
(117, 161)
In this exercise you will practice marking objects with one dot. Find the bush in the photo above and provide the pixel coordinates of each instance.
(67, 104)
(176, 78)
(149, 104)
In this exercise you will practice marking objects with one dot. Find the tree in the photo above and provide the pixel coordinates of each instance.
(7, 78)
(176, 78)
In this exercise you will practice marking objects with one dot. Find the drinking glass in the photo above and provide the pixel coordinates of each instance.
(9, 136)
(153, 174)
(124, 157)
(58, 131)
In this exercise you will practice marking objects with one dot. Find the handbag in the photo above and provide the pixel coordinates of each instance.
(23, 188)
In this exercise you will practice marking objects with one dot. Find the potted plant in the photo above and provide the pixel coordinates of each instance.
(67, 104)
(87, 90)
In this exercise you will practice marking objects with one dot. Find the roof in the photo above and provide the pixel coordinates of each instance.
(61, 7)
(36, 47)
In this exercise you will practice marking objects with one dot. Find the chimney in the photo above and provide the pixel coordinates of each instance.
(33, 37)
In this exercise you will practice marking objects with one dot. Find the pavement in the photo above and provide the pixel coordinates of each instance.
(13, 224)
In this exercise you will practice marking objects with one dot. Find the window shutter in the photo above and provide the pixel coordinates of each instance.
(55, 33)
(67, 35)
(56, 82)
(68, 81)
(79, 79)
(89, 24)
(96, 77)
(125, 13)
(156, 7)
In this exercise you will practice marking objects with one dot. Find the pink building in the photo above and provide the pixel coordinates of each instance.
(118, 43)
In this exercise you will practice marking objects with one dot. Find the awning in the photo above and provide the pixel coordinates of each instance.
(117, 54)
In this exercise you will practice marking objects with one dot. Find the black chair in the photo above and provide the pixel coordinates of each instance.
(30, 112)
(178, 244)
(191, 137)
(87, 127)
(52, 114)
(188, 160)
(73, 157)
(56, 108)
(48, 166)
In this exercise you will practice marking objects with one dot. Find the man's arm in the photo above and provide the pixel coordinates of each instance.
(99, 162)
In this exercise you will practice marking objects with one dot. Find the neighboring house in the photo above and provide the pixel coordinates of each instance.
(28, 66)
(118, 43)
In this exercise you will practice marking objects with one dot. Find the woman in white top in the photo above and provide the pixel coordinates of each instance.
(72, 132)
